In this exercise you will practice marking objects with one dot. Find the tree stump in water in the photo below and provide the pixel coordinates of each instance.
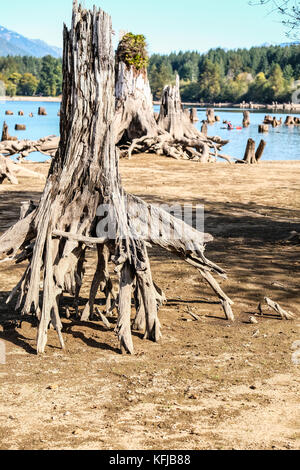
(84, 180)
(246, 119)
(210, 116)
(289, 121)
(5, 134)
(42, 111)
(20, 127)
(193, 115)
(263, 128)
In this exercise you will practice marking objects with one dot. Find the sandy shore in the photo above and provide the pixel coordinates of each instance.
(208, 384)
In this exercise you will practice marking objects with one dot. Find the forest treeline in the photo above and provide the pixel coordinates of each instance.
(30, 76)
(259, 74)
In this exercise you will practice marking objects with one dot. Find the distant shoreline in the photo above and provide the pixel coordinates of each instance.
(295, 109)
(49, 99)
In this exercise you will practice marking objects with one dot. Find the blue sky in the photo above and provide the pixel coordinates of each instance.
(169, 25)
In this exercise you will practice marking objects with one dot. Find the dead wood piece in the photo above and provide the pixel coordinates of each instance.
(104, 320)
(277, 308)
(6, 171)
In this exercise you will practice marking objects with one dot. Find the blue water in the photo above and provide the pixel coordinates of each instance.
(283, 143)
(36, 127)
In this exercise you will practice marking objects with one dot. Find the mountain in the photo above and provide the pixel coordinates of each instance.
(12, 43)
(285, 44)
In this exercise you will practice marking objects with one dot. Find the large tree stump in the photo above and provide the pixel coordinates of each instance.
(84, 183)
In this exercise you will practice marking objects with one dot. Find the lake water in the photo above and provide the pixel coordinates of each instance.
(283, 143)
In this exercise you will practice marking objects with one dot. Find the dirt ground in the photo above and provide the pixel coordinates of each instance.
(208, 384)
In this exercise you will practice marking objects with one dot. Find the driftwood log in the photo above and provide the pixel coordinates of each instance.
(84, 178)
(47, 146)
(9, 170)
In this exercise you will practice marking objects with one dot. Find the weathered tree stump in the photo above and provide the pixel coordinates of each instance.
(193, 115)
(260, 150)
(5, 134)
(20, 127)
(246, 119)
(42, 111)
(249, 156)
(204, 129)
(268, 119)
(263, 128)
(83, 180)
(289, 121)
(210, 116)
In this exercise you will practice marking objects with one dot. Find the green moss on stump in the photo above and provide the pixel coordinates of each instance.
(132, 50)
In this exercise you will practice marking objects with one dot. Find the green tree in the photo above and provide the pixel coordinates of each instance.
(51, 77)
(28, 85)
(276, 81)
(210, 81)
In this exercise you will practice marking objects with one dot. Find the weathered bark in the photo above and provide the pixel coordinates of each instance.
(134, 105)
(84, 176)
